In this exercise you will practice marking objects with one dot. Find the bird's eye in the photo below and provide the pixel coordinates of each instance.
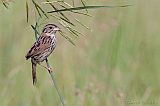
(50, 27)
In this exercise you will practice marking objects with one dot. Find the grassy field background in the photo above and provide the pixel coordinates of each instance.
(115, 64)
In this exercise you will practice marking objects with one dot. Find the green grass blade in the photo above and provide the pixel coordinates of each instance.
(67, 4)
(72, 32)
(82, 24)
(72, 7)
(36, 32)
(81, 13)
(57, 9)
(87, 7)
(66, 37)
(66, 26)
(77, 32)
(67, 21)
(42, 10)
(5, 4)
(36, 8)
(49, 2)
(84, 5)
(27, 12)
(39, 8)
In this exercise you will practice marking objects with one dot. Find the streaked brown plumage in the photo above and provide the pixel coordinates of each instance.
(43, 47)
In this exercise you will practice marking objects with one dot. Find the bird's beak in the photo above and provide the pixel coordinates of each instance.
(57, 29)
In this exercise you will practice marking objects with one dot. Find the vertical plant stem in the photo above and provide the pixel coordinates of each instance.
(55, 84)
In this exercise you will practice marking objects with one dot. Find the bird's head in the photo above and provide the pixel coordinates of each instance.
(50, 29)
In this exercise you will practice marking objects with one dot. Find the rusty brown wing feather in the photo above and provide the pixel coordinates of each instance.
(41, 45)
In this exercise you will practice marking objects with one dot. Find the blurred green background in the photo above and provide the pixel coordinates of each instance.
(115, 64)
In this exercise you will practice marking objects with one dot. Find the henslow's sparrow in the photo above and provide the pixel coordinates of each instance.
(43, 47)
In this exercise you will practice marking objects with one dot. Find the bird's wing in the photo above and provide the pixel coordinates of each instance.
(43, 43)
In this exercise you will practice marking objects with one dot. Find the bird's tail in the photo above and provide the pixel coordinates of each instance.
(34, 73)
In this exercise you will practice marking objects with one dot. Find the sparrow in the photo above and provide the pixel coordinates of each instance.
(42, 48)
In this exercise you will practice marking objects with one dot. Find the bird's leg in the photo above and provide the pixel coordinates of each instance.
(48, 68)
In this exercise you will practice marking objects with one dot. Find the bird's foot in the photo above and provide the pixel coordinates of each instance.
(50, 70)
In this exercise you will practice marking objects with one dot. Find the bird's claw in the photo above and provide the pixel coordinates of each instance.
(50, 70)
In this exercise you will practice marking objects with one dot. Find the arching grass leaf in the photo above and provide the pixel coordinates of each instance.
(86, 7)
(68, 38)
(57, 9)
(38, 8)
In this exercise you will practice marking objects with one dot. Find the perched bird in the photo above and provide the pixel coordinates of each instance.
(43, 47)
